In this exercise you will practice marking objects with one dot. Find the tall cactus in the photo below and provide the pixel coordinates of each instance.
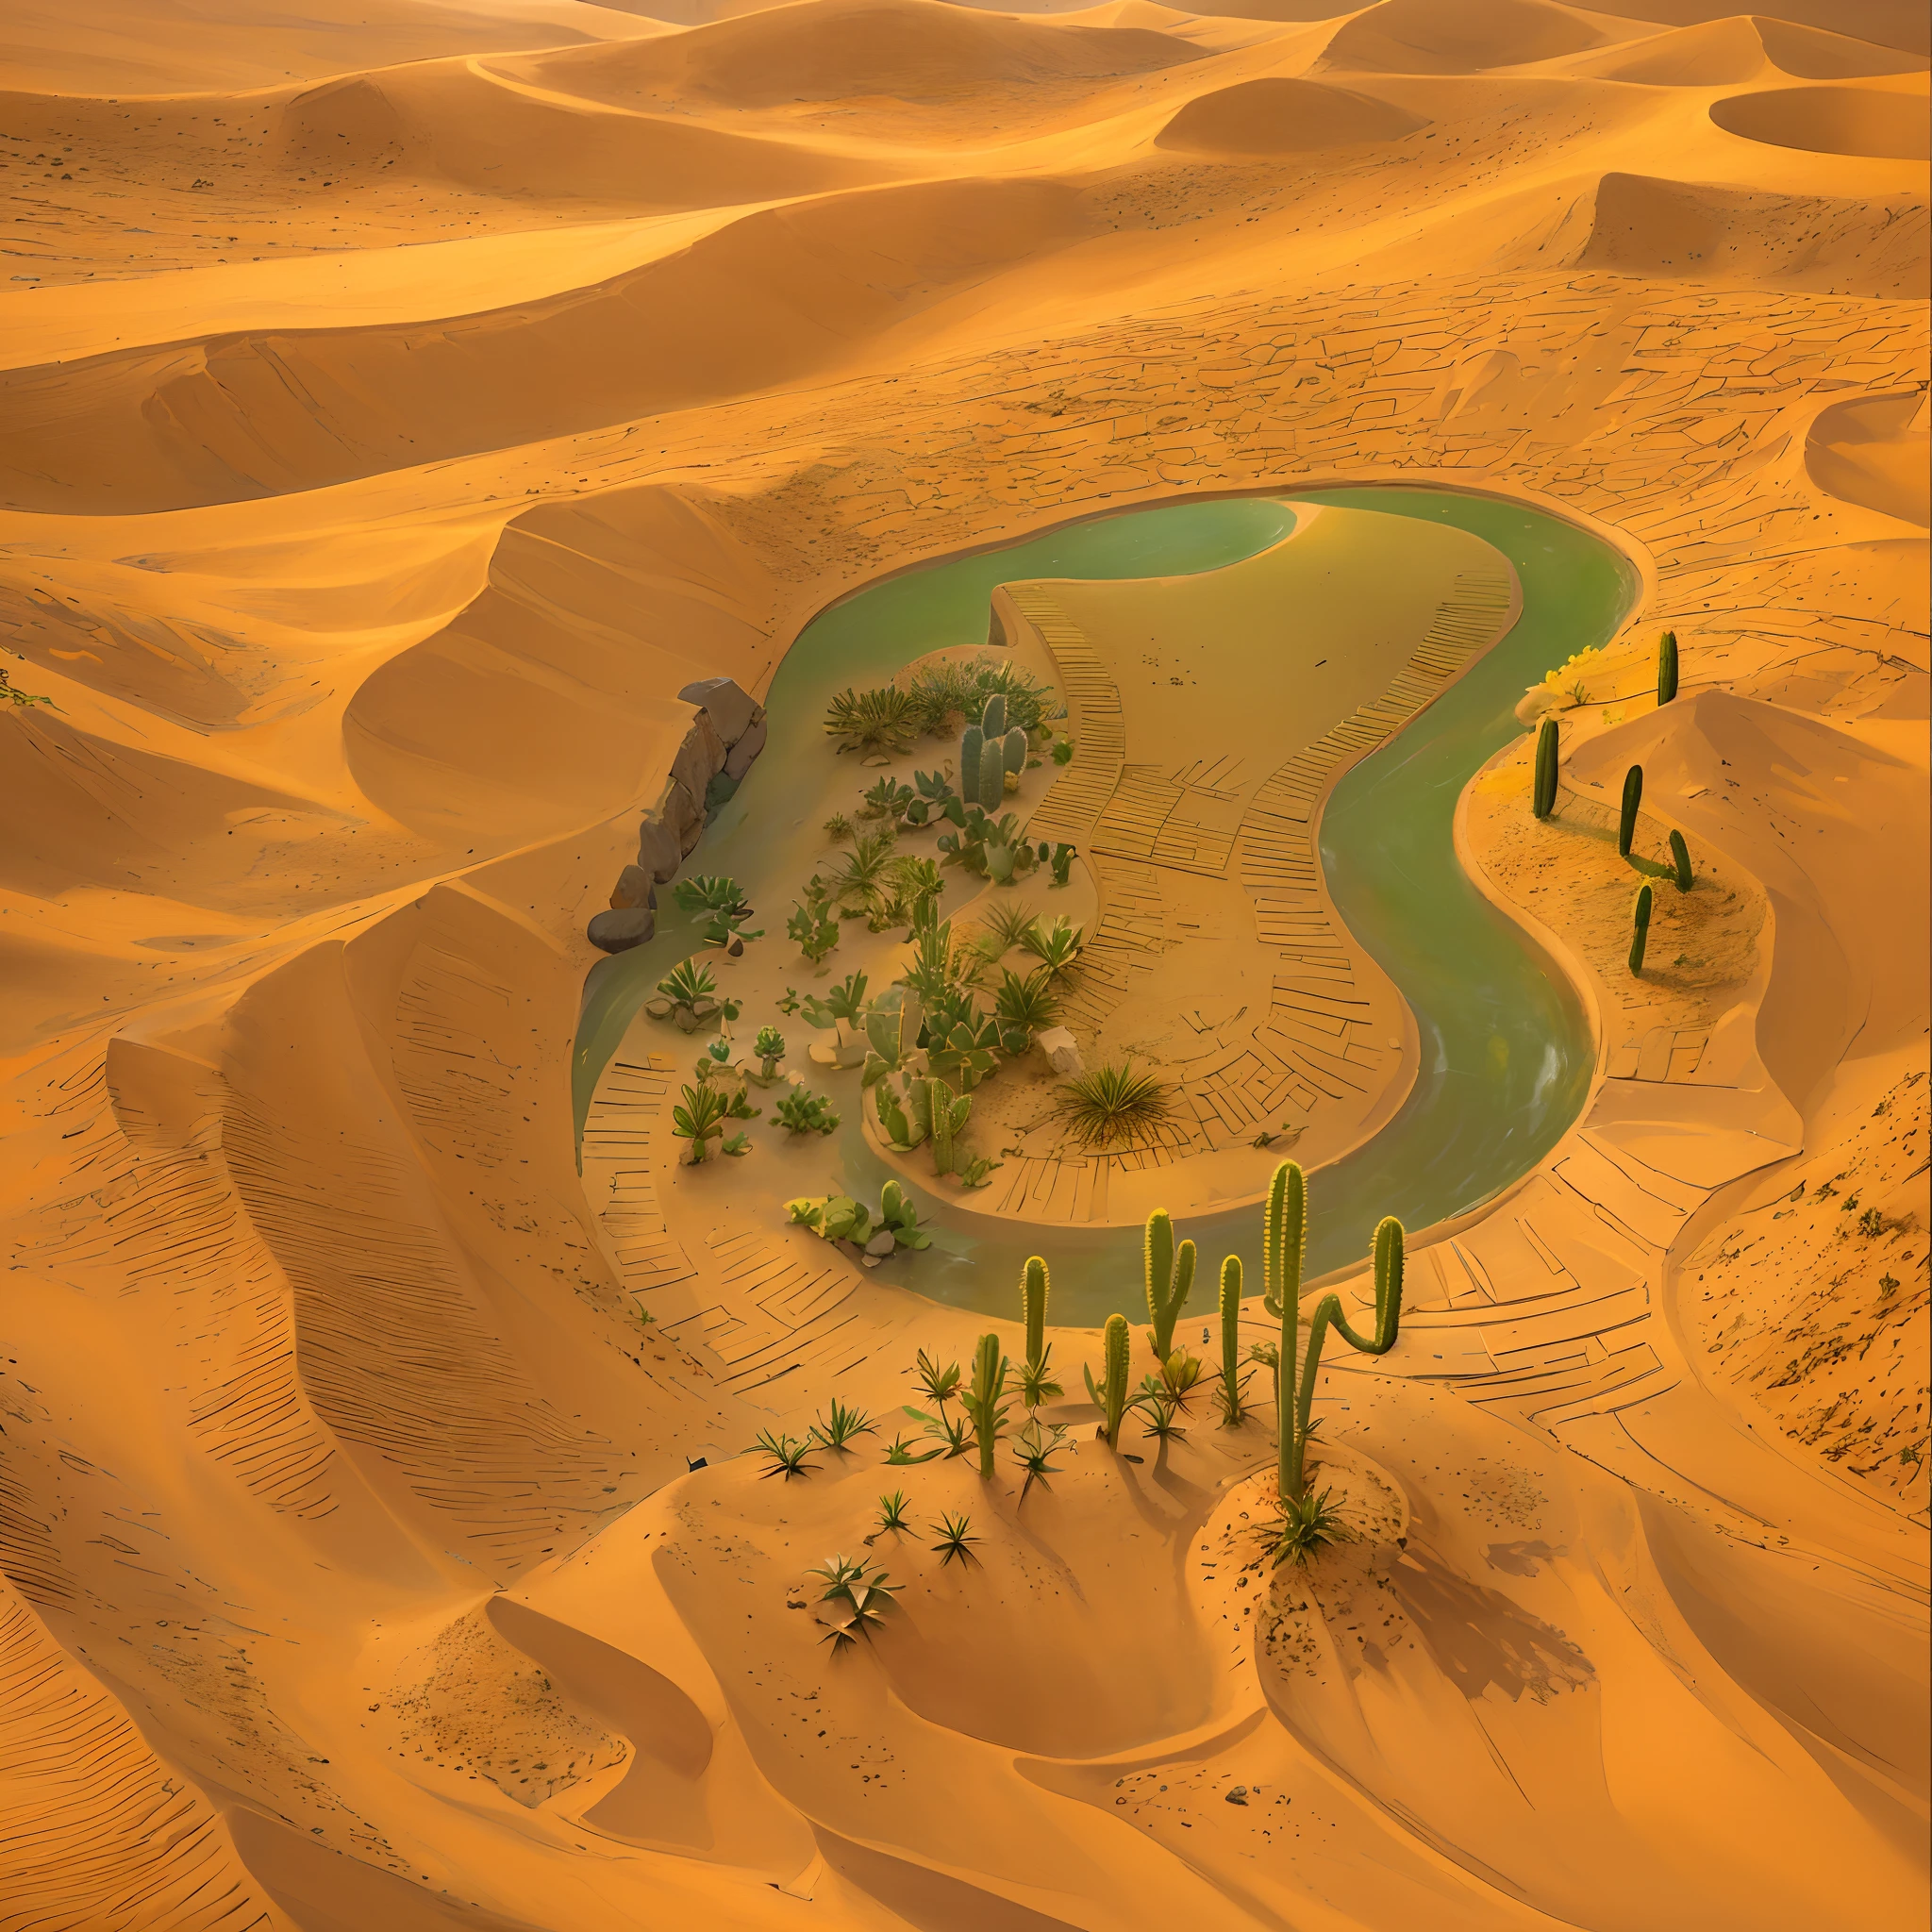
(946, 1116)
(1639, 926)
(1284, 1242)
(1231, 1340)
(972, 742)
(1033, 1288)
(1110, 1398)
(982, 1400)
(1013, 749)
(1680, 861)
(1328, 1314)
(1543, 796)
(992, 721)
(1626, 819)
(1667, 667)
(993, 773)
(1169, 1278)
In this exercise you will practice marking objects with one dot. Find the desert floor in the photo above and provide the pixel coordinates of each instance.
(399, 406)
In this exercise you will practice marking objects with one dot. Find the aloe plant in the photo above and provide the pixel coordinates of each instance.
(1543, 798)
(940, 1385)
(710, 892)
(1233, 1383)
(837, 1429)
(1023, 1008)
(1627, 818)
(962, 1052)
(884, 719)
(861, 1592)
(787, 1454)
(1667, 667)
(1639, 926)
(982, 1400)
(1168, 1276)
(769, 1048)
(1110, 1397)
(698, 1116)
(859, 881)
(1300, 1388)
(689, 993)
(802, 1112)
(1307, 1523)
(1057, 947)
(1680, 861)
(893, 1512)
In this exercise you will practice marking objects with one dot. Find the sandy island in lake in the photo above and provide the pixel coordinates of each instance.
(452, 455)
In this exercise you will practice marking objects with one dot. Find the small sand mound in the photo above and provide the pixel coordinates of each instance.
(1276, 116)
(840, 50)
(1837, 244)
(1869, 121)
(1715, 53)
(1873, 450)
(1426, 37)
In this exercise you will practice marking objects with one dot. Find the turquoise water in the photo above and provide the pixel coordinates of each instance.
(1506, 1049)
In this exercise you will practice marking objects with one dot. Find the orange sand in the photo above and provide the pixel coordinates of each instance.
(398, 406)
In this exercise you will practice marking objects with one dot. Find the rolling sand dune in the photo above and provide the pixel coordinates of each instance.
(409, 413)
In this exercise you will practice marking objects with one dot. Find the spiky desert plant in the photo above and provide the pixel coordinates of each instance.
(1110, 1397)
(992, 772)
(1032, 1447)
(1328, 1314)
(1007, 926)
(893, 1512)
(1639, 926)
(787, 1454)
(1056, 946)
(711, 893)
(956, 1539)
(1233, 1383)
(1667, 667)
(837, 1429)
(802, 1112)
(982, 1400)
(700, 1114)
(1307, 1523)
(1023, 1008)
(1168, 1277)
(861, 1597)
(859, 881)
(956, 1437)
(882, 718)
(940, 1385)
(1543, 799)
(972, 742)
(692, 991)
(1680, 861)
(1626, 817)
(1112, 1106)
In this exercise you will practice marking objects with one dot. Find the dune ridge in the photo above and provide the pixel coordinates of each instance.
(354, 1569)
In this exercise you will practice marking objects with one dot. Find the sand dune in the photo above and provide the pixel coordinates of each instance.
(1279, 116)
(1890, 123)
(353, 1572)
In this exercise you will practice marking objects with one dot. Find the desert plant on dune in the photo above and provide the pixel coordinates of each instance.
(787, 1454)
(899, 1451)
(1112, 1106)
(1233, 1383)
(1160, 1410)
(1110, 1396)
(688, 993)
(802, 1112)
(1167, 1276)
(982, 1400)
(956, 1539)
(893, 1512)
(1180, 1371)
(1680, 862)
(955, 1435)
(1667, 667)
(1544, 795)
(1056, 946)
(1032, 1448)
(698, 1116)
(1639, 926)
(1626, 816)
(884, 719)
(939, 1385)
(1023, 1008)
(859, 1596)
(839, 1424)
(859, 882)
(1307, 1523)
(1007, 926)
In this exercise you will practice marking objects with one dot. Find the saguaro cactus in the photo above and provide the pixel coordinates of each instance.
(1543, 796)
(1667, 667)
(1680, 861)
(1169, 1278)
(972, 742)
(1328, 1314)
(1283, 1240)
(1033, 1288)
(1626, 820)
(982, 1401)
(1231, 1340)
(1110, 1398)
(1639, 926)
(992, 772)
